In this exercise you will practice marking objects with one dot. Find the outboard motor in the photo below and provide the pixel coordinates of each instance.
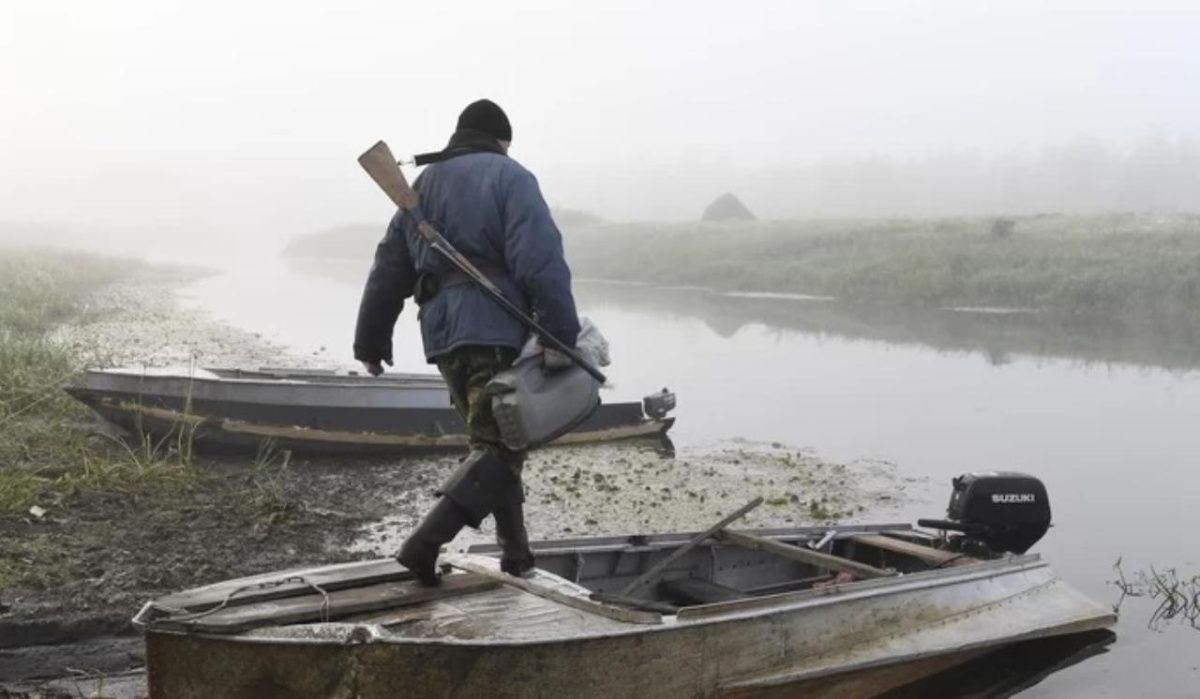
(1000, 510)
(657, 405)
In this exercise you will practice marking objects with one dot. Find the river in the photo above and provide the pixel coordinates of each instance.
(1110, 421)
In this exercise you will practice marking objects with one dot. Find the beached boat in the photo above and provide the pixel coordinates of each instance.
(847, 611)
(311, 411)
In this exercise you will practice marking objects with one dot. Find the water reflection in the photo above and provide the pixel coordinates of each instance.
(995, 335)
(1009, 671)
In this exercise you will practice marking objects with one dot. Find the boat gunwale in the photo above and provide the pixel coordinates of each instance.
(789, 602)
(863, 589)
(617, 542)
(84, 378)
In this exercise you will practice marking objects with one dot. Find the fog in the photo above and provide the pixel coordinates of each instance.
(223, 123)
(842, 370)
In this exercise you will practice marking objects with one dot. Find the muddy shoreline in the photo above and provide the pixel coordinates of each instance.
(109, 552)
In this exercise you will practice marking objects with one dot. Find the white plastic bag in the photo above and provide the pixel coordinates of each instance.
(590, 343)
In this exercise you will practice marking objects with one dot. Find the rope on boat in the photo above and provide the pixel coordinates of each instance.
(181, 614)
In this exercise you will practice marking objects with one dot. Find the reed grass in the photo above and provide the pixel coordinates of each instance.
(1103, 265)
(47, 449)
(1176, 596)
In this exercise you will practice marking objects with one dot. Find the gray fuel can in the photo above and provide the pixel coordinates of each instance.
(534, 406)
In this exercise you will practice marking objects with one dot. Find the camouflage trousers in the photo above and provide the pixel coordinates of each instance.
(467, 371)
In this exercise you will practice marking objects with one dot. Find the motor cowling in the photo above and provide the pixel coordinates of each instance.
(657, 405)
(1002, 510)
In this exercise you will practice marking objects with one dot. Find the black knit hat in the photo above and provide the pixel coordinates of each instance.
(488, 117)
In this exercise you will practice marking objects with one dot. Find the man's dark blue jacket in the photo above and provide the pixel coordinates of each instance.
(490, 208)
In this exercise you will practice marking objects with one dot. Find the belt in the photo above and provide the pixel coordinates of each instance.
(430, 284)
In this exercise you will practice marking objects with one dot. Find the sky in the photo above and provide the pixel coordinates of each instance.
(242, 120)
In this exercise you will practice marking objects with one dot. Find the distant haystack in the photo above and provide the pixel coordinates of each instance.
(1003, 227)
(727, 208)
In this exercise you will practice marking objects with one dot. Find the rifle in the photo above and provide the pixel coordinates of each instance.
(381, 165)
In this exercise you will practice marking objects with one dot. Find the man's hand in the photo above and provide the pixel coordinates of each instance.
(374, 368)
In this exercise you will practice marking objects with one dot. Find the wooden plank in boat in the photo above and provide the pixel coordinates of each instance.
(692, 543)
(631, 616)
(927, 554)
(337, 604)
(287, 583)
(620, 600)
(804, 555)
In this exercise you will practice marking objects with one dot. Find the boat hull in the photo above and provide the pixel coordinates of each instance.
(318, 415)
(509, 644)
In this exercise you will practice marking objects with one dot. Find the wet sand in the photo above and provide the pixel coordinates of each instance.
(634, 488)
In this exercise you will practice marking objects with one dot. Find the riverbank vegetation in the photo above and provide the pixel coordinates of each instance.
(47, 448)
(1117, 265)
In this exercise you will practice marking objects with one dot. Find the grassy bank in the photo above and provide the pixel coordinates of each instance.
(46, 450)
(1110, 265)
(90, 525)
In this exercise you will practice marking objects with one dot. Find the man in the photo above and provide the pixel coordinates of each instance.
(490, 208)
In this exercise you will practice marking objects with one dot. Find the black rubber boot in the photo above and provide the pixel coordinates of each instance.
(516, 558)
(420, 550)
(479, 482)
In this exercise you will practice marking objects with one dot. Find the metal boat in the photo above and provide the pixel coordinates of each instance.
(849, 611)
(311, 411)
